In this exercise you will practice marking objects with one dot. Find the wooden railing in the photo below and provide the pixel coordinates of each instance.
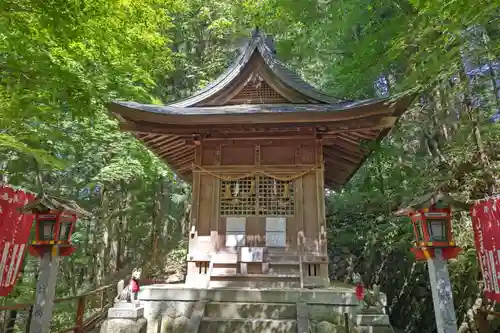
(78, 314)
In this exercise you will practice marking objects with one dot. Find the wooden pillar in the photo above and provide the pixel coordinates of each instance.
(299, 204)
(214, 214)
(195, 200)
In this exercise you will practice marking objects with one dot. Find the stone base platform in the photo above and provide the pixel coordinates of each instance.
(178, 308)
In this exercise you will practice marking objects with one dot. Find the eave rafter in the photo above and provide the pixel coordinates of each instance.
(338, 154)
(173, 147)
(160, 140)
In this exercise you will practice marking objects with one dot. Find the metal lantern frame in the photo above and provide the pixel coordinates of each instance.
(59, 220)
(426, 242)
(423, 221)
(55, 221)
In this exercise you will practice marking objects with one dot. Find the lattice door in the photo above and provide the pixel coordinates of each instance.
(257, 196)
(238, 197)
(276, 197)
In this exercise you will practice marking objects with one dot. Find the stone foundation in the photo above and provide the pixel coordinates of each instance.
(176, 308)
(124, 326)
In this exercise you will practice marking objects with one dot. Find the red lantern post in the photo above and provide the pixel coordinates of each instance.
(433, 229)
(53, 229)
(55, 222)
(432, 226)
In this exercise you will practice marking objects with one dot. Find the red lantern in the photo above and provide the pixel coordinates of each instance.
(55, 222)
(432, 228)
(53, 228)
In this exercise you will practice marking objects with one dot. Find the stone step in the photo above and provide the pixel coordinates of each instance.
(230, 310)
(221, 325)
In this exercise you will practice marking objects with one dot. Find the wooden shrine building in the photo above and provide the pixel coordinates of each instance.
(259, 145)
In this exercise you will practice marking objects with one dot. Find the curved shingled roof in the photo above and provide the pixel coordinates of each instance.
(257, 43)
(290, 107)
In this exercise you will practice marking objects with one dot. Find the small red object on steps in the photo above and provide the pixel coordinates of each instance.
(134, 286)
(360, 291)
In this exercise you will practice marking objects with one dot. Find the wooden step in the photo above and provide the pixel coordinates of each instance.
(259, 284)
(259, 276)
(284, 269)
(225, 258)
(284, 263)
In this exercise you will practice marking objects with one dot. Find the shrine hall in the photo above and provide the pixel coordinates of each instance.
(259, 146)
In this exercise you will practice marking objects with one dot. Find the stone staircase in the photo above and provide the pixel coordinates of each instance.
(229, 317)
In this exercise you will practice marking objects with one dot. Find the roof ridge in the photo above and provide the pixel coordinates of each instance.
(260, 42)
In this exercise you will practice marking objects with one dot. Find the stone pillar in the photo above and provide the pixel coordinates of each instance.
(442, 295)
(45, 292)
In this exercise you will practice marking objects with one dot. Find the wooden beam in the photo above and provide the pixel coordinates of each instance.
(182, 156)
(336, 153)
(174, 151)
(339, 176)
(194, 127)
(304, 132)
(338, 166)
(187, 158)
(145, 136)
(365, 135)
(348, 138)
(171, 146)
(180, 153)
(157, 144)
(158, 139)
(257, 139)
(184, 168)
(348, 151)
(333, 178)
(356, 149)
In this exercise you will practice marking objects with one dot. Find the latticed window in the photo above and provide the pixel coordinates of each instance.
(257, 196)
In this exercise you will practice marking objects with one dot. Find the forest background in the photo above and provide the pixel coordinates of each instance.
(62, 60)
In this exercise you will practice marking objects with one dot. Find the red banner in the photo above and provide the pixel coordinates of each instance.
(15, 232)
(486, 223)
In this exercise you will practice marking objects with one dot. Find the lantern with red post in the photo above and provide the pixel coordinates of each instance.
(55, 220)
(431, 216)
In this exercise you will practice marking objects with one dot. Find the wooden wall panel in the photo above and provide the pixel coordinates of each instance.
(277, 154)
(237, 155)
(306, 155)
(256, 230)
(205, 205)
(310, 197)
(291, 231)
(208, 156)
(222, 225)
